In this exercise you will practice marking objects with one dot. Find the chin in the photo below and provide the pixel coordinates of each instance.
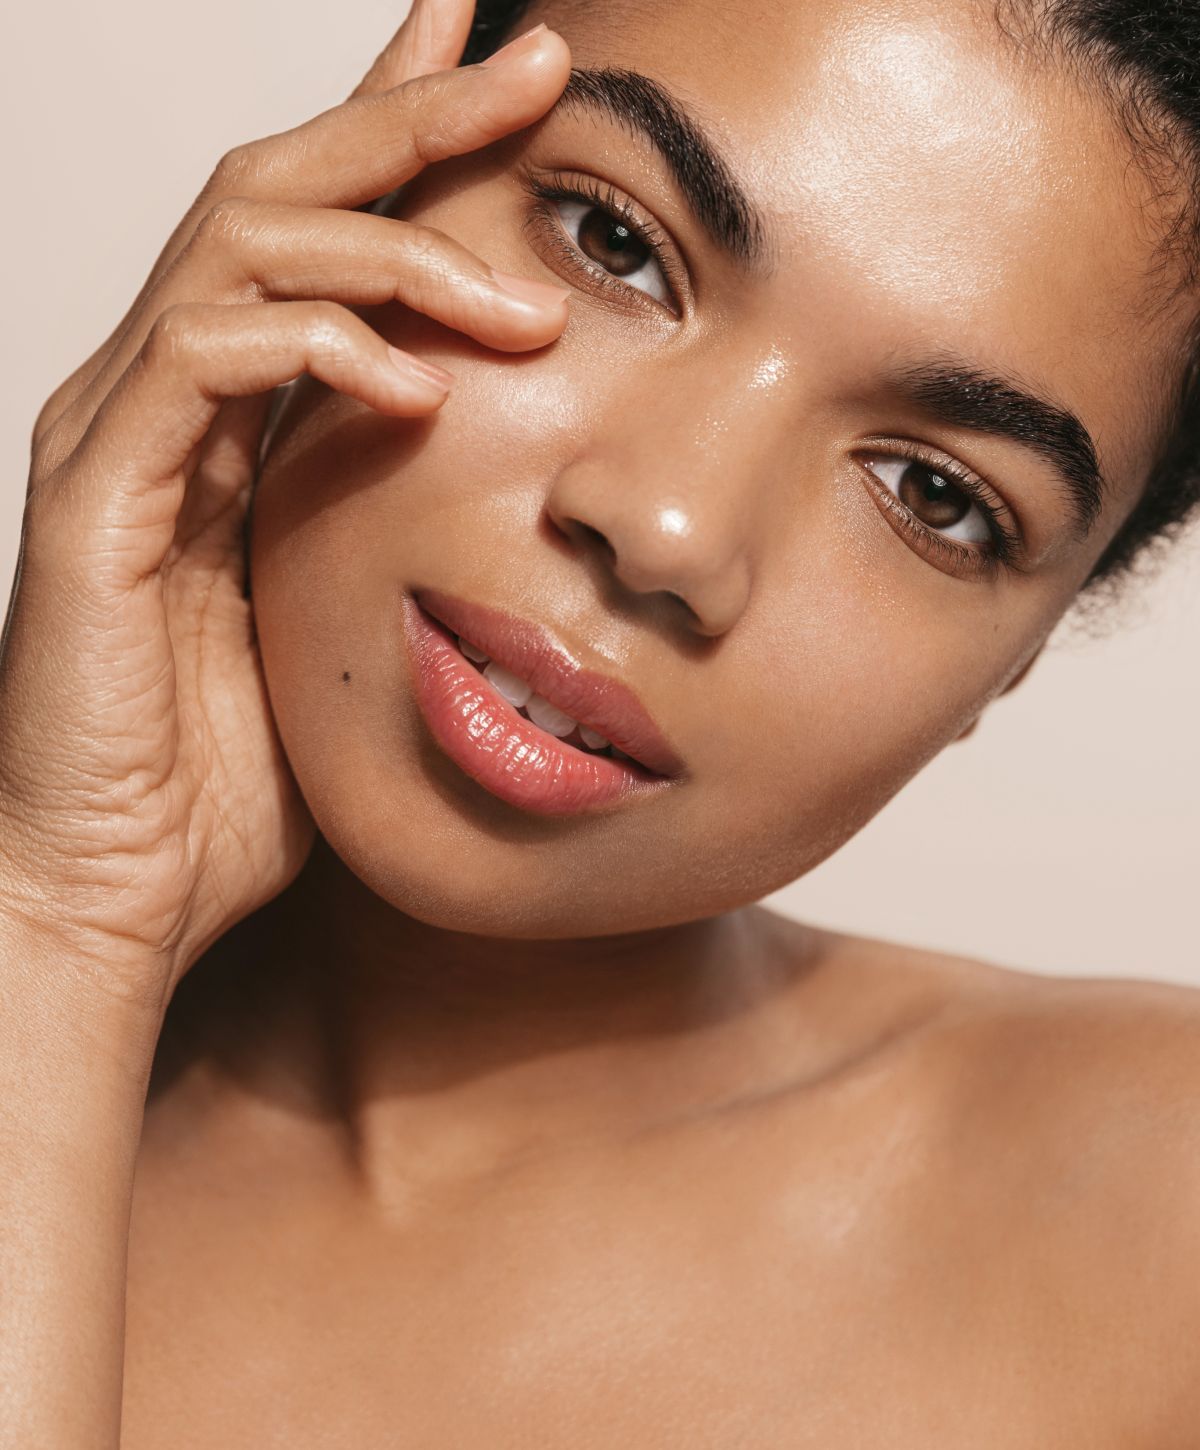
(431, 861)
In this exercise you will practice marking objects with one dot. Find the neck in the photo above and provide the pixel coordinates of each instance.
(443, 1053)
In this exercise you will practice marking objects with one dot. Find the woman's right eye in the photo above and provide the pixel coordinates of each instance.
(611, 243)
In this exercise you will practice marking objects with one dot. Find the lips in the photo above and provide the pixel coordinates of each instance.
(499, 747)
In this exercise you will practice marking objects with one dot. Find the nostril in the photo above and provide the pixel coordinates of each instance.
(693, 617)
(593, 538)
(596, 539)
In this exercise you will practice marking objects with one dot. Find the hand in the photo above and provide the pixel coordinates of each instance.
(145, 801)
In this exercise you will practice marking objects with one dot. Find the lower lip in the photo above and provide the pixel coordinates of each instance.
(505, 753)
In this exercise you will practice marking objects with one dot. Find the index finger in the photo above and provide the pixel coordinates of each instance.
(431, 37)
(372, 143)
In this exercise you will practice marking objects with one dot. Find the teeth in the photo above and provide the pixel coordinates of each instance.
(548, 716)
(514, 690)
(473, 652)
(520, 695)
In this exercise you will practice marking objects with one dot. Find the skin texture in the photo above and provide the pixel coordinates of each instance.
(471, 1127)
(818, 662)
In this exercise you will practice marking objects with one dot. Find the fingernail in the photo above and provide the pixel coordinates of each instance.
(542, 294)
(516, 47)
(422, 371)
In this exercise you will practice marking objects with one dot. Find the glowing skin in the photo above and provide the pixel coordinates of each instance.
(503, 1127)
(684, 499)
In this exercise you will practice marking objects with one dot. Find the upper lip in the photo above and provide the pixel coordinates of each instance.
(533, 654)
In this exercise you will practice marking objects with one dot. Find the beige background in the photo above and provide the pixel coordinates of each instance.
(1062, 837)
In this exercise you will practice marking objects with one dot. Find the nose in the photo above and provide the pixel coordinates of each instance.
(667, 502)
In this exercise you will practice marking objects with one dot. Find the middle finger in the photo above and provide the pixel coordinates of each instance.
(354, 153)
(254, 250)
(248, 250)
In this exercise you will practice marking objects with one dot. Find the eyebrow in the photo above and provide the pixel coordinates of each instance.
(965, 397)
(646, 108)
(955, 392)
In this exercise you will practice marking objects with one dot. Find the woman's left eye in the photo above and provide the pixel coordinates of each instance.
(613, 245)
(939, 503)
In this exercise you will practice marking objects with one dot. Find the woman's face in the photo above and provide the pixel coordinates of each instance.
(795, 501)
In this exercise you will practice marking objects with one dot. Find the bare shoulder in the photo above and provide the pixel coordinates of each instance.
(1082, 1039)
(1107, 1067)
(1120, 1055)
(1082, 1016)
(1084, 1063)
(1063, 1124)
(1064, 1113)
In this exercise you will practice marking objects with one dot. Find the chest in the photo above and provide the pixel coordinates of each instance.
(709, 1293)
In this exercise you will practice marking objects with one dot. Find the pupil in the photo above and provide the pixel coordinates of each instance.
(935, 501)
(611, 243)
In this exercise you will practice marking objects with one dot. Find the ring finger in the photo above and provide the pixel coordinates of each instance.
(246, 250)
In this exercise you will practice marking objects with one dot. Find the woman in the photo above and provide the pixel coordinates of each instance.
(715, 411)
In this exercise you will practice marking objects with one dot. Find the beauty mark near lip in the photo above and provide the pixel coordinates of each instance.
(498, 747)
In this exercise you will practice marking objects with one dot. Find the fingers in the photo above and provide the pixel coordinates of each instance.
(112, 505)
(251, 250)
(358, 258)
(358, 152)
(432, 37)
(373, 143)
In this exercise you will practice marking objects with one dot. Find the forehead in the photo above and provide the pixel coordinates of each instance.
(928, 181)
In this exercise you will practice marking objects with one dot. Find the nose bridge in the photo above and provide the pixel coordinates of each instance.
(671, 488)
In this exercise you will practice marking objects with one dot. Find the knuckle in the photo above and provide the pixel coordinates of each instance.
(428, 105)
(237, 163)
(441, 264)
(427, 246)
(326, 325)
(50, 447)
(229, 222)
(431, 92)
(425, 148)
(173, 331)
(55, 406)
(43, 424)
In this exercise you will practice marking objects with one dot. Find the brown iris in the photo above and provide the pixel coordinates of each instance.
(935, 500)
(611, 243)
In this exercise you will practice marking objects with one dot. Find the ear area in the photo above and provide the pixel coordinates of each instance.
(1012, 685)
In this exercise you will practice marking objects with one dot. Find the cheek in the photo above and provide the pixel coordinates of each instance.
(849, 680)
(854, 666)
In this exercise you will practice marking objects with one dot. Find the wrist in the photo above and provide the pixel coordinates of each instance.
(82, 989)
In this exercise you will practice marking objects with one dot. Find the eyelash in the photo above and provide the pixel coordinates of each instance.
(1004, 543)
(556, 187)
(1003, 549)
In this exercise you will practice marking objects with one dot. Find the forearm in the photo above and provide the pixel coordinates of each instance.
(74, 1064)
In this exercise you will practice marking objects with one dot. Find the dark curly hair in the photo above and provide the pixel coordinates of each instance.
(494, 22)
(1145, 54)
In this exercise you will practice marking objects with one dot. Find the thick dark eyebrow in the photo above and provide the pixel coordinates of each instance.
(957, 393)
(965, 397)
(648, 109)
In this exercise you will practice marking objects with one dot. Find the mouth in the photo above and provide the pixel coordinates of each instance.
(520, 715)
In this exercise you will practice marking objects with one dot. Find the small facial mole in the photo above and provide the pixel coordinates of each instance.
(345, 677)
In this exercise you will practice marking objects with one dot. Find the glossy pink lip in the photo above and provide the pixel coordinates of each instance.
(498, 747)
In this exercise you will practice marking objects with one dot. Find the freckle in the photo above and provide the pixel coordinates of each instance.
(345, 677)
